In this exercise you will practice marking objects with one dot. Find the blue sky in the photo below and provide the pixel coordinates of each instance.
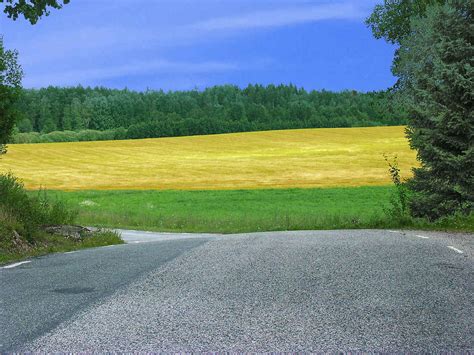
(186, 44)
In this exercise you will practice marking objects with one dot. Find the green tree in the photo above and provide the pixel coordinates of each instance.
(67, 118)
(32, 10)
(300, 110)
(436, 80)
(78, 118)
(391, 20)
(10, 83)
(101, 119)
(231, 109)
(236, 111)
(10, 71)
(45, 120)
(24, 125)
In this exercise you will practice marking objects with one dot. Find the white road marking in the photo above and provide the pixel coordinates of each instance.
(393, 231)
(422, 236)
(15, 265)
(455, 249)
(70, 252)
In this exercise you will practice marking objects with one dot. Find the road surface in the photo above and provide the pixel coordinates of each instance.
(284, 291)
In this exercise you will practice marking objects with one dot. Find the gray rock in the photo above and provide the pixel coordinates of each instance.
(71, 232)
(19, 243)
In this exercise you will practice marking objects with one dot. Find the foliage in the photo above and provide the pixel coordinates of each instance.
(69, 136)
(436, 71)
(399, 208)
(22, 215)
(32, 10)
(10, 81)
(220, 109)
(391, 20)
(30, 212)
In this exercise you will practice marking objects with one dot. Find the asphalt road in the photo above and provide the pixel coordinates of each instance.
(286, 291)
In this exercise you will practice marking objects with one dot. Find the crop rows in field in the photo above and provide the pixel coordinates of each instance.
(269, 159)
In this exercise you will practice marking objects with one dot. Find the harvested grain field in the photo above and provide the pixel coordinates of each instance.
(271, 159)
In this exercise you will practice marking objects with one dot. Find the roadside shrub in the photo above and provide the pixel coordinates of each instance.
(53, 211)
(14, 202)
(399, 201)
(30, 212)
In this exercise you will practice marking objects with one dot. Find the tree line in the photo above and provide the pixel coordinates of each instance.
(84, 113)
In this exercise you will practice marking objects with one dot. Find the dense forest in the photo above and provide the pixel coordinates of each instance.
(78, 114)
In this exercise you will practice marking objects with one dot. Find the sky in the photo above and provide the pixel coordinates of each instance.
(189, 44)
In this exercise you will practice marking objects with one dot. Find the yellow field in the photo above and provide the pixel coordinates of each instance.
(289, 158)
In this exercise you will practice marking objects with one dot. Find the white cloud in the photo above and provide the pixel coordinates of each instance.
(87, 75)
(281, 17)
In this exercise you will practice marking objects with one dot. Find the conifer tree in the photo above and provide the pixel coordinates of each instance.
(435, 67)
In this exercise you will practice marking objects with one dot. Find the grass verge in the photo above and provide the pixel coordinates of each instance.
(46, 244)
(23, 217)
(240, 211)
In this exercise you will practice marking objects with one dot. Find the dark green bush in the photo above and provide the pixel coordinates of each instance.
(30, 212)
(70, 136)
(23, 138)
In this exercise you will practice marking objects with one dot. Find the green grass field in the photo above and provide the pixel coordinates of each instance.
(240, 210)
